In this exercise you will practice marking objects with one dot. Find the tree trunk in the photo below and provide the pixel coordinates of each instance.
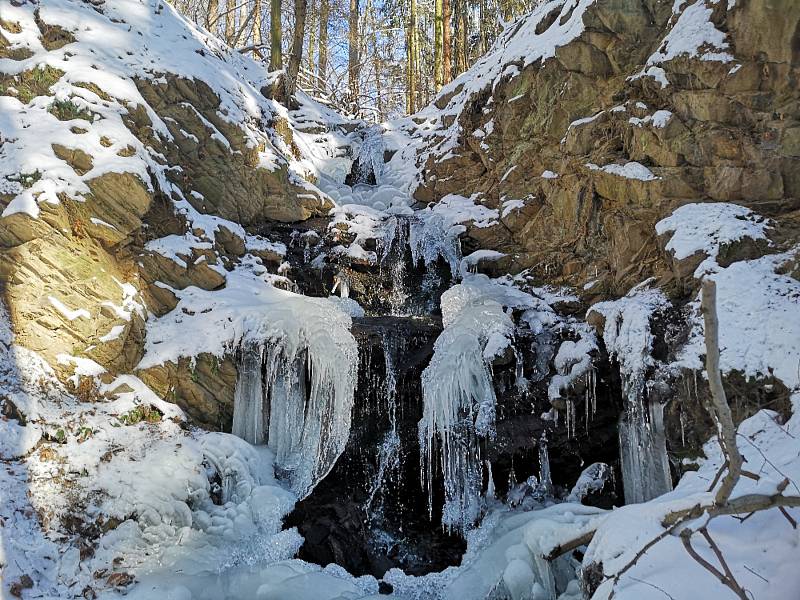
(411, 50)
(322, 62)
(352, 58)
(258, 39)
(483, 35)
(230, 20)
(275, 58)
(437, 44)
(377, 64)
(312, 36)
(212, 15)
(447, 67)
(296, 57)
(463, 60)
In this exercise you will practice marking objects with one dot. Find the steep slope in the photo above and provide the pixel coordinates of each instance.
(130, 138)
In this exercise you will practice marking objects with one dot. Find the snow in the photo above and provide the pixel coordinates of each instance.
(693, 34)
(470, 262)
(573, 360)
(455, 210)
(760, 549)
(759, 328)
(658, 119)
(630, 170)
(707, 227)
(511, 205)
(67, 313)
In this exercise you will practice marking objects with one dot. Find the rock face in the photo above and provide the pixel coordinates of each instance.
(80, 277)
(718, 123)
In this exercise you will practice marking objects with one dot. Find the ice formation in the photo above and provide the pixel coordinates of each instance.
(628, 338)
(296, 372)
(458, 392)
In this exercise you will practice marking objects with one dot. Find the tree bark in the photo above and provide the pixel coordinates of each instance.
(311, 22)
(411, 52)
(462, 36)
(322, 61)
(447, 67)
(230, 20)
(275, 57)
(212, 14)
(352, 58)
(437, 44)
(258, 39)
(296, 57)
(719, 409)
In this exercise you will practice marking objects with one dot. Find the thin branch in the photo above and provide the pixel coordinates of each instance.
(719, 409)
(731, 580)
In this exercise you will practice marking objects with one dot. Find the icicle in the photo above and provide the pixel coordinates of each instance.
(645, 466)
(342, 283)
(520, 381)
(295, 390)
(490, 493)
(249, 417)
(545, 478)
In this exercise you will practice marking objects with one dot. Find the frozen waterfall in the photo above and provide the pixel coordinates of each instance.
(627, 335)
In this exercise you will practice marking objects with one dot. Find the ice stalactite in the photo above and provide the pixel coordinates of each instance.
(368, 164)
(627, 335)
(249, 418)
(295, 392)
(430, 240)
(545, 476)
(459, 397)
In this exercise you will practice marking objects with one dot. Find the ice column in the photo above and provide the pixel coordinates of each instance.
(459, 399)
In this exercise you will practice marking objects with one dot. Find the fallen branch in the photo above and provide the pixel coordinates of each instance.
(568, 546)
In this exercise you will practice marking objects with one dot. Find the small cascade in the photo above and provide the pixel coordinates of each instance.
(393, 262)
(389, 454)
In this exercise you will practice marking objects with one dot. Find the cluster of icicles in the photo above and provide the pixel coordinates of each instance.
(295, 393)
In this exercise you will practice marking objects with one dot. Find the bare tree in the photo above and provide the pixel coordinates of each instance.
(275, 54)
(322, 61)
(352, 56)
(296, 57)
(212, 14)
(258, 40)
(447, 68)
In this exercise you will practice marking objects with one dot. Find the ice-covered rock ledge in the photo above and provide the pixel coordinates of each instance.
(297, 363)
